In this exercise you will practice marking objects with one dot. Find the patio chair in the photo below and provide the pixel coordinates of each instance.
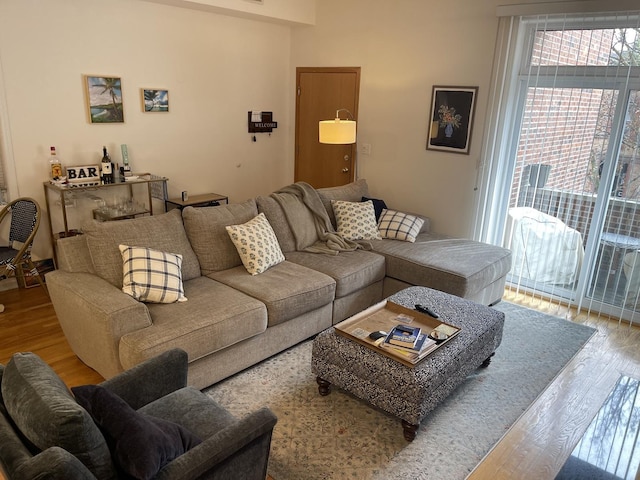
(25, 220)
(631, 269)
(544, 249)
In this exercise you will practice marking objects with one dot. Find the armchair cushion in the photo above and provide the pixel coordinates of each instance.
(234, 448)
(141, 444)
(36, 397)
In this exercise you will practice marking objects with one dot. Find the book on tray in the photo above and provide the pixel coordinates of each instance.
(424, 345)
(404, 336)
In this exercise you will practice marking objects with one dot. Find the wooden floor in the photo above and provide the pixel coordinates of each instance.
(544, 437)
(535, 447)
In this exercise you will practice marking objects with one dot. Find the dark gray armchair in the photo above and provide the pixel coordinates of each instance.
(46, 434)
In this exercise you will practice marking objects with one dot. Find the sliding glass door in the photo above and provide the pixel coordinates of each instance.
(615, 277)
(569, 167)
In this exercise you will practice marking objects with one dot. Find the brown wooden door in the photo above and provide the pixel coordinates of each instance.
(320, 92)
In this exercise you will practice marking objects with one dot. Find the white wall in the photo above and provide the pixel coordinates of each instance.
(215, 67)
(404, 48)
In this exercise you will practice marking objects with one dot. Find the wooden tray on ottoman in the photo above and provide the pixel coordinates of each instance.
(384, 316)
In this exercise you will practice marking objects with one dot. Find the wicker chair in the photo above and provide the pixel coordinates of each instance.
(25, 220)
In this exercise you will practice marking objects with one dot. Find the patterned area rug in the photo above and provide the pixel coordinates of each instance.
(341, 437)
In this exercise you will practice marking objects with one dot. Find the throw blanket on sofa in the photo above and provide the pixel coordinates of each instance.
(309, 221)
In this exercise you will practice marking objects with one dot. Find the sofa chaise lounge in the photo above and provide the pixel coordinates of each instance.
(233, 319)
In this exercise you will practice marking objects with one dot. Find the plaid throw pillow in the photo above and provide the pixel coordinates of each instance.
(257, 244)
(152, 276)
(356, 220)
(399, 226)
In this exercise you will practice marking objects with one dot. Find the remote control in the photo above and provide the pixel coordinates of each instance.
(377, 335)
(427, 310)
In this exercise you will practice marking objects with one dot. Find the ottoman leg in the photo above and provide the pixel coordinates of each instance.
(486, 363)
(409, 430)
(324, 387)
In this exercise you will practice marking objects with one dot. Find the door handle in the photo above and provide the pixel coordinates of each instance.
(346, 158)
(345, 170)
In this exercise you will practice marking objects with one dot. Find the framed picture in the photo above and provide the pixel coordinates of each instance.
(104, 99)
(451, 119)
(154, 100)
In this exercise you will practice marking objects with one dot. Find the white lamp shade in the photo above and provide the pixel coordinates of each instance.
(337, 132)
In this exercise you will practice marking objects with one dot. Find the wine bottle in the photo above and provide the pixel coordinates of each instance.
(55, 165)
(106, 167)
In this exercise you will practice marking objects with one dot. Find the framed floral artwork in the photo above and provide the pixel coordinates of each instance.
(155, 100)
(451, 119)
(104, 99)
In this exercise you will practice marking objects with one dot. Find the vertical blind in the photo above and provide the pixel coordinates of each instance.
(561, 175)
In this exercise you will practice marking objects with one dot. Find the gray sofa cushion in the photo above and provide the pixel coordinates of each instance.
(351, 271)
(273, 211)
(215, 317)
(458, 266)
(161, 232)
(288, 290)
(35, 397)
(74, 255)
(352, 192)
(210, 240)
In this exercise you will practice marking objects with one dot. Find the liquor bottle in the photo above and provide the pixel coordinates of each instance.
(55, 165)
(106, 167)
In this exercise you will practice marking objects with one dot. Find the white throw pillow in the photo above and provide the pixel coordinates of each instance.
(151, 275)
(356, 220)
(257, 244)
(399, 226)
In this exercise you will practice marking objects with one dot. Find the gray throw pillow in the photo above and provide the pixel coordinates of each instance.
(42, 407)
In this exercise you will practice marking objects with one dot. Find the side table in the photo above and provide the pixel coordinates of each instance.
(619, 244)
(203, 200)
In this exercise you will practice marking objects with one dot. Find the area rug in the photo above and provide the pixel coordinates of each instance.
(341, 437)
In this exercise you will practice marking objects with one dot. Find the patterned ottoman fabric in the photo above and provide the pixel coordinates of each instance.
(411, 393)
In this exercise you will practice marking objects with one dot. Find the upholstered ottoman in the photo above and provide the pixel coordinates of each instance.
(410, 393)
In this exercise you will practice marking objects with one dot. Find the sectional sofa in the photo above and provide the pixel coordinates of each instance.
(232, 319)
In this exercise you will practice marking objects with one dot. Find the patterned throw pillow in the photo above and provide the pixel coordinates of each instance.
(152, 276)
(257, 244)
(399, 226)
(356, 220)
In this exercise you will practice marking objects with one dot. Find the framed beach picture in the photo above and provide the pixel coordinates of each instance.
(154, 100)
(451, 119)
(104, 99)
